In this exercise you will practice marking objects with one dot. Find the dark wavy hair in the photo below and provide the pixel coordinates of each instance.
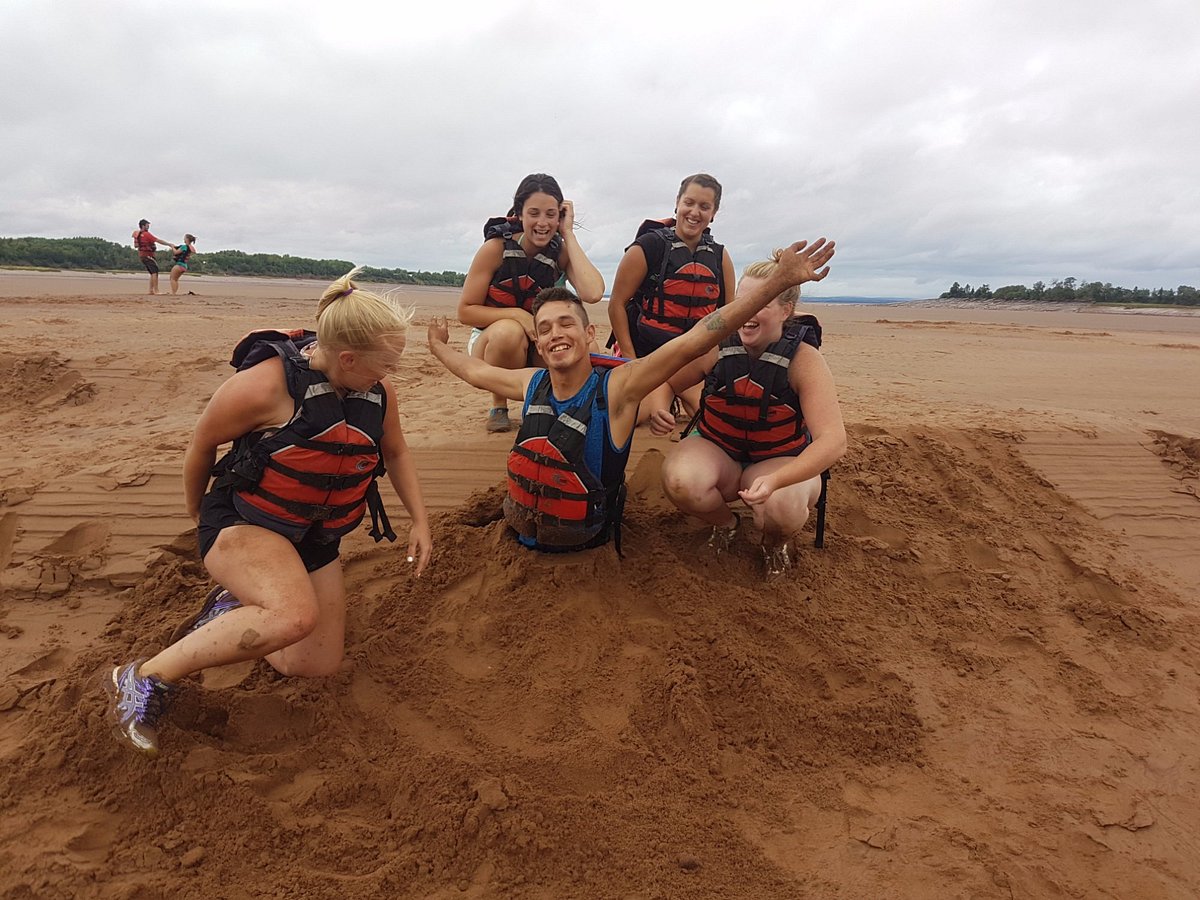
(539, 182)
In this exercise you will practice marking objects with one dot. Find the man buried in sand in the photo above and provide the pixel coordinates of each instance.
(566, 471)
(769, 425)
(313, 425)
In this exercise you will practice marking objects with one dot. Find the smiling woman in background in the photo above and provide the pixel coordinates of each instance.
(671, 277)
(529, 249)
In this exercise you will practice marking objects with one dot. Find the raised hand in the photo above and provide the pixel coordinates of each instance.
(566, 220)
(438, 332)
(801, 263)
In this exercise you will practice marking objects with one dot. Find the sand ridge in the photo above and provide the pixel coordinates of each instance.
(985, 685)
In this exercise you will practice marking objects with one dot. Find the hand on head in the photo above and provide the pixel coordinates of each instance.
(566, 220)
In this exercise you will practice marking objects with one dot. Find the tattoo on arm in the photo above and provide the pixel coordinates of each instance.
(714, 322)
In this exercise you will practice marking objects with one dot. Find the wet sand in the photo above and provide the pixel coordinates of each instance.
(984, 686)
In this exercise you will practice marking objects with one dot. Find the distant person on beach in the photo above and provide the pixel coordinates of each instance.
(671, 276)
(566, 471)
(522, 253)
(146, 245)
(181, 255)
(769, 425)
(313, 421)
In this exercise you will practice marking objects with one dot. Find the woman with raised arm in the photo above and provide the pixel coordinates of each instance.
(769, 425)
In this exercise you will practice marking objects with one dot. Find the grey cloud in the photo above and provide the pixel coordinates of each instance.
(980, 141)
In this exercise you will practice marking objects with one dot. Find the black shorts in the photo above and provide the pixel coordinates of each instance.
(151, 264)
(217, 512)
(647, 340)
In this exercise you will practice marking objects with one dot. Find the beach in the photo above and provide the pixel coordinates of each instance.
(985, 685)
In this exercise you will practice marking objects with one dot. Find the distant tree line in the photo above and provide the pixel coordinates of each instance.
(1073, 290)
(97, 253)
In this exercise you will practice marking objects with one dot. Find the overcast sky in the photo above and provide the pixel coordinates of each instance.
(977, 140)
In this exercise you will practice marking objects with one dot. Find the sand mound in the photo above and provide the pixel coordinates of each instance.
(44, 380)
(1181, 453)
(970, 665)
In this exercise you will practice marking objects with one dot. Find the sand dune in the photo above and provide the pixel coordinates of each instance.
(984, 686)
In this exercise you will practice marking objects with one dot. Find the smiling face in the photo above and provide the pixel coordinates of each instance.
(562, 338)
(766, 326)
(539, 219)
(694, 211)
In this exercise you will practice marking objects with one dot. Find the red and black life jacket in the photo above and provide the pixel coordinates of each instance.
(520, 276)
(681, 286)
(143, 241)
(318, 470)
(749, 408)
(181, 255)
(555, 501)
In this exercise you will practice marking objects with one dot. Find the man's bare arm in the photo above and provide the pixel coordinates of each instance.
(799, 263)
(510, 383)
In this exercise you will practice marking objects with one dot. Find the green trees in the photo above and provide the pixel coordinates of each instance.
(67, 253)
(1072, 290)
(97, 253)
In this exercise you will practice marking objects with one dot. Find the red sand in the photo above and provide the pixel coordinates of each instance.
(985, 685)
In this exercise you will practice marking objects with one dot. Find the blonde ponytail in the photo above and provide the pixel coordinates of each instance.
(350, 318)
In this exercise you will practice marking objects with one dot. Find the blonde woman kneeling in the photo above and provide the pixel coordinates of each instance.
(314, 422)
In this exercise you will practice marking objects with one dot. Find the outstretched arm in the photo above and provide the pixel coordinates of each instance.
(510, 383)
(631, 382)
(580, 271)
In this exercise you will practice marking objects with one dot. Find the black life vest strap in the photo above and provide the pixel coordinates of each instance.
(335, 448)
(820, 540)
(519, 291)
(318, 480)
(733, 361)
(314, 512)
(658, 303)
(550, 492)
(616, 507)
(569, 441)
(381, 526)
(753, 427)
(546, 461)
